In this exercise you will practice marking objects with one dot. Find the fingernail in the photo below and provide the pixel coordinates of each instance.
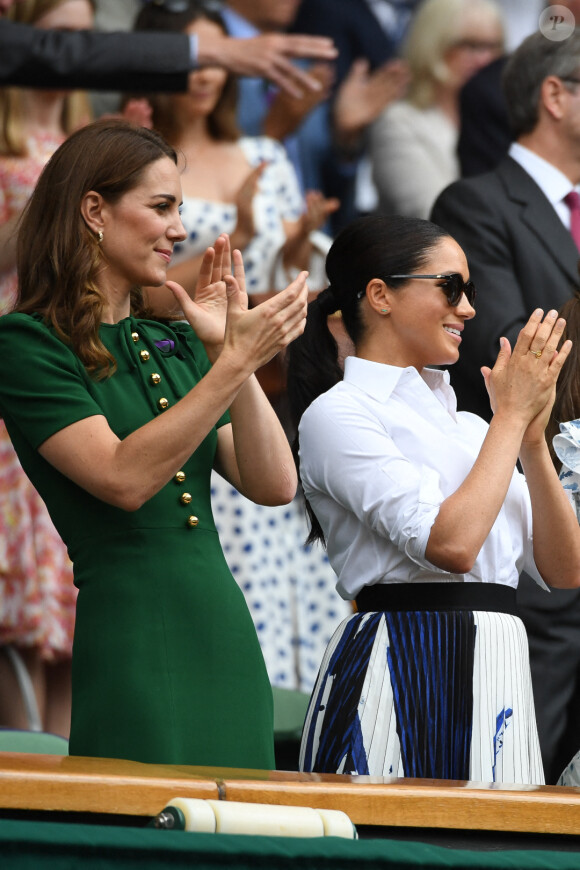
(552, 314)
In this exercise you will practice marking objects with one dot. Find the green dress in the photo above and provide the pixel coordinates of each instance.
(166, 663)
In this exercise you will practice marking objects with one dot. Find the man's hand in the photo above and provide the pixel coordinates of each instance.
(268, 56)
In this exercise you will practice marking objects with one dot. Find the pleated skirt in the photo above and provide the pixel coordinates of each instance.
(443, 695)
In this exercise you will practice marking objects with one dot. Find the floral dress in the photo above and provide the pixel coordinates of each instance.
(37, 595)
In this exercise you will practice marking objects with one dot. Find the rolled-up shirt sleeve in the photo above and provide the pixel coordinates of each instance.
(352, 460)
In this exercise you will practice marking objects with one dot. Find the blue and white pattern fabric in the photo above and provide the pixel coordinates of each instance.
(567, 449)
(570, 776)
(443, 695)
(289, 588)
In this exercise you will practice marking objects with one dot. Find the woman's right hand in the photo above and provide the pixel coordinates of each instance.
(220, 315)
(522, 382)
(256, 335)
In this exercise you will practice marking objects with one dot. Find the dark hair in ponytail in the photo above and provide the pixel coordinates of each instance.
(370, 247)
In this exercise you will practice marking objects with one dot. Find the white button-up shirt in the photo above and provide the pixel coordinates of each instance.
(379, 453)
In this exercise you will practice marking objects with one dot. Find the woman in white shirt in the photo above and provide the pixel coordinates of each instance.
(426, 520)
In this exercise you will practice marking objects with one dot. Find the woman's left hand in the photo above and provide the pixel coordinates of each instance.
(207, 311)
(527, 377)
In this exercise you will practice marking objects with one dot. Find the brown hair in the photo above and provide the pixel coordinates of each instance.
(58, 256)
(567, 402)
(222, 123)
(76, 108)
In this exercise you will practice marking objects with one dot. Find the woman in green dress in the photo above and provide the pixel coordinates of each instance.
(118, 420)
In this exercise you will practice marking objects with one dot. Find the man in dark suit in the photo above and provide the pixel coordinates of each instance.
(35, 58)
(514, 226)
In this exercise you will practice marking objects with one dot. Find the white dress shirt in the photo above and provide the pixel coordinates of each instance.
(379, 452)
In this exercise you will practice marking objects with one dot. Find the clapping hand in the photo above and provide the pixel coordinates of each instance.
(318, 208)
(363, 95)
(207, 311)
(524, 381)
(220, 316)
(244, 201)
(288, 111)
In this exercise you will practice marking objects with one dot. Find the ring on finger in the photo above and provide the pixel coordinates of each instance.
(536, 353)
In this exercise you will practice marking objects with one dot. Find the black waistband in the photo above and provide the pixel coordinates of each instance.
(492, 597)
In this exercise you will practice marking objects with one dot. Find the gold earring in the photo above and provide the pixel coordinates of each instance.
(100, 237)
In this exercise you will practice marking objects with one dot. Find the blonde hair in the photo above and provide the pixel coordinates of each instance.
(435, 28)
(76, 107)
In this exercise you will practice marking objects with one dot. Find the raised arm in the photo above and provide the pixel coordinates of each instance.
(150, 62)
(521, 387)
(127, 472)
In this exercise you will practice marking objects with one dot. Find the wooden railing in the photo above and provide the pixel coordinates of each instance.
(91, 785)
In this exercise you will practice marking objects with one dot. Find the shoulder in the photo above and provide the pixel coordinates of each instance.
(336, 407)
(26, 336)
(394, 115)
(471, 195)
(16, 324)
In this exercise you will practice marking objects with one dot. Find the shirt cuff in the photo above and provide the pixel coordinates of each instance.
(193, 52)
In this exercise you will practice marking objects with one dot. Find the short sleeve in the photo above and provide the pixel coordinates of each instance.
(43, 385)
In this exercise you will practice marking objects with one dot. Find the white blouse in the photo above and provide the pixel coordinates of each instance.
(379, 452)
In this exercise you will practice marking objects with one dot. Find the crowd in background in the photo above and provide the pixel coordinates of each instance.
(282, 174)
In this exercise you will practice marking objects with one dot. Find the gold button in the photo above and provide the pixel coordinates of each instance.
(185, 498)
(163, 403)
(135, 337)
(155, 378)
(144, 354)
(179, 477)
(192, 522)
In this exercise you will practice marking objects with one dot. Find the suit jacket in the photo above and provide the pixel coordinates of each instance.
(483, 107)
(35, 58)
(520, 257)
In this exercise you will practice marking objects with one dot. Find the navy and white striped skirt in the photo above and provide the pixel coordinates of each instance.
(437, 694)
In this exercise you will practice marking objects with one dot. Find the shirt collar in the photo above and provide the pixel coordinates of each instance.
(553, 183)
(379, 380)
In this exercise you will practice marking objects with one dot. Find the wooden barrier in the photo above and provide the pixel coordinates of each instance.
(110, 786)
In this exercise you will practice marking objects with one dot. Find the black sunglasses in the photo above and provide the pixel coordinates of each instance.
(452, 285)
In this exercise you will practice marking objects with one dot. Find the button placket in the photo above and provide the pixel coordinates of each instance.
(154, 378)
(185, 499)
